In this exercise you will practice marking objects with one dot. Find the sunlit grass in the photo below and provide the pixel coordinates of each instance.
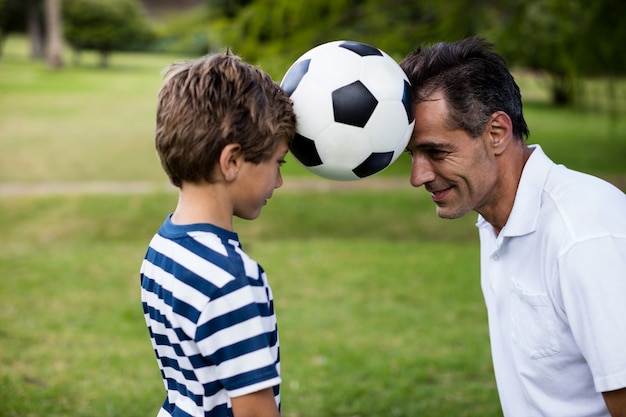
(373, 320)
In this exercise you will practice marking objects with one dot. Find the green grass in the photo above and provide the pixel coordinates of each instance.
(385, 319)
(378, 300)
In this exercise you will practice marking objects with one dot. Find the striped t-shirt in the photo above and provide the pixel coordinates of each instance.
(210, 314)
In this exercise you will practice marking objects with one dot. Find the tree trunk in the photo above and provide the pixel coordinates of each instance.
(104, 58)
(563, 89)
(35, 32)
(54, 37)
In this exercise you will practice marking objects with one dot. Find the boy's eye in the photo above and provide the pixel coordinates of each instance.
(282, 162)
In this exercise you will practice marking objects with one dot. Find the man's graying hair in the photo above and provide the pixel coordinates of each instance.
(474, 80)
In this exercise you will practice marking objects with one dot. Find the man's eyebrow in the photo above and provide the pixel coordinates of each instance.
(433, 144)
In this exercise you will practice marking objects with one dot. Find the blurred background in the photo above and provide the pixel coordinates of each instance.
(566, 40)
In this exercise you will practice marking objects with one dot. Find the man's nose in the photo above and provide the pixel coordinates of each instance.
(421, 170)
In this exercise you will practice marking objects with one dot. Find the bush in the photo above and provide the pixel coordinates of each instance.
(105, 25)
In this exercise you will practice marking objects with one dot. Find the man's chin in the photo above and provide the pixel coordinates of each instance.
(449, 213)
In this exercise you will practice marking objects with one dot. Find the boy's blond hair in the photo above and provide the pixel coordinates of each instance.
(214, 101)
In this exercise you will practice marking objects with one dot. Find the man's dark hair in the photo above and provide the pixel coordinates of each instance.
(474, 80)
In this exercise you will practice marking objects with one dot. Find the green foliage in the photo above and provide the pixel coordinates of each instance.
(13, 15)
(226, 8)
(285, 29)
(568, 39)
(3, 13)
(183, 33)
(105, 25)
(603, 32)
(550, 26)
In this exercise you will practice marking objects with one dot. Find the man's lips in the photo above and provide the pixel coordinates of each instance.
(440, 195)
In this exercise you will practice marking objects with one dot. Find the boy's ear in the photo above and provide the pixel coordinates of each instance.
(500, 130)
(231, 160)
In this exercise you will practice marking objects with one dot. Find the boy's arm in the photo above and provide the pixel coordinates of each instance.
(256, 404)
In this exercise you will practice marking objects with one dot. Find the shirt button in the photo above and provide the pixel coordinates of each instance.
(495, 256)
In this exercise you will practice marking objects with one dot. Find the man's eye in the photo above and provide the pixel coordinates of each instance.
(437, 153)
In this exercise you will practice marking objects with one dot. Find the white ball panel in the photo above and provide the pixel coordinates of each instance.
(383, 77)
(387, 126)
(313, 108)
(343, 146)
(334, 173)
(331, 66)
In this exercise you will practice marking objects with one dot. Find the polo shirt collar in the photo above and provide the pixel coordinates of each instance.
(523, 217)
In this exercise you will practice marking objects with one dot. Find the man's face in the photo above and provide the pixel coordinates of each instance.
(459, 171)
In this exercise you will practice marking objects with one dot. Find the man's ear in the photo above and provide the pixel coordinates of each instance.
(500, 131)
(231, 160)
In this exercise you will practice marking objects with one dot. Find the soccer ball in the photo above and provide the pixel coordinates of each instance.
(353, 108)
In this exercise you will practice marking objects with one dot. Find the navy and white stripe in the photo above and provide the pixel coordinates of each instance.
(210, 314)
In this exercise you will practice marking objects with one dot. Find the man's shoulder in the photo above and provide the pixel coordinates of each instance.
(587, 205)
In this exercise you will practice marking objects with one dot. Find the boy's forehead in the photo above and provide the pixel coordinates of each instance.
(282, 146)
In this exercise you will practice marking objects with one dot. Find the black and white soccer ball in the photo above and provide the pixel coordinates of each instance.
(353, 108)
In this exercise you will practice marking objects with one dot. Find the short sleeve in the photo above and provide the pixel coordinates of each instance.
(593, 287)
(235, 335)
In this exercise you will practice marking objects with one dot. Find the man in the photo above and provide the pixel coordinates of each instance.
(553, 241)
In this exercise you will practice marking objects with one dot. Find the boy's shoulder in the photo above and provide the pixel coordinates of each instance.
(202, 250)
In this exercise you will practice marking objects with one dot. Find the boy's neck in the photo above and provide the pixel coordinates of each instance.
(203, 203)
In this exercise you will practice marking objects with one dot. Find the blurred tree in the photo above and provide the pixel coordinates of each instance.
(284, 29)
(105, 25)
(568, 39)
(54, 37)
(3, 22)
(35, 27)
(226, 8)
(542, 35)
(602, 37)
(13, 19)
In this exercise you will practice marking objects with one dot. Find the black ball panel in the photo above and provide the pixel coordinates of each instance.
(353, 104)
(294, 76)
(305, 151)
(374, 163)
(407, 101)
(361, 49)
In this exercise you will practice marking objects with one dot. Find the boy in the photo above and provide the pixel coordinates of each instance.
(223, 129)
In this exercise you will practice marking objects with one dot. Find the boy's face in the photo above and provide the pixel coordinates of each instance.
(257, 182)
(458, 170)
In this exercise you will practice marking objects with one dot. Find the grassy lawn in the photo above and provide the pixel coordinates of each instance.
(378, 300)
(382, 315)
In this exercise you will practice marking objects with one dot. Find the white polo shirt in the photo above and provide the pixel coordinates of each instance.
(554, 283)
